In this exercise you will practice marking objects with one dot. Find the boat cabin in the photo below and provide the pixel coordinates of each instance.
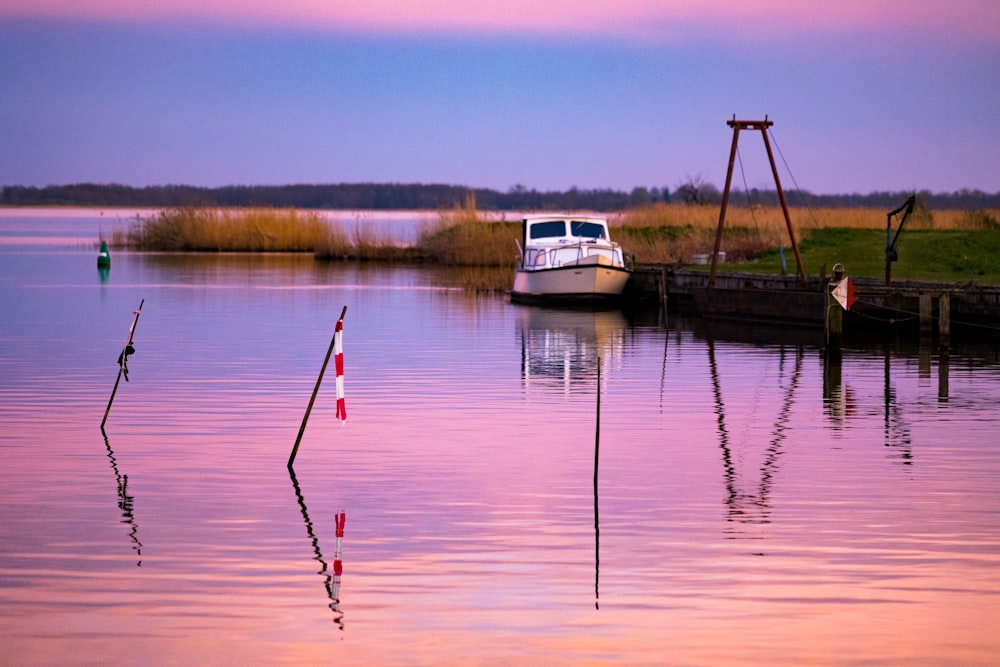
(554, 241)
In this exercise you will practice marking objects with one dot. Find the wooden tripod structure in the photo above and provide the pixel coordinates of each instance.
(761, 125)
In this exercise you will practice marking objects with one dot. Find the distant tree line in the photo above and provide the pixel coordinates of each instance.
(435, 196)
(961, 200)
(333, 196)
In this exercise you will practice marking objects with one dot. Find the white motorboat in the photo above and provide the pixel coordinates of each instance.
(568, 258)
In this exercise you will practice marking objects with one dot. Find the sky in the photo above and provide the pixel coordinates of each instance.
(897, 95)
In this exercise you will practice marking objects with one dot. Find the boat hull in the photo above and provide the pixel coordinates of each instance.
(585, 283)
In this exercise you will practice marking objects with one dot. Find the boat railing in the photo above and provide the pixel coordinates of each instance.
(530, 259)
(580, 251)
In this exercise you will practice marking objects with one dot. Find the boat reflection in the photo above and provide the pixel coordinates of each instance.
(331, 578)
(560, 348)
(126, 503)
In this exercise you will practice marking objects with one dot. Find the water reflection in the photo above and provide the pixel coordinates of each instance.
(331, 578)
(560, 348)
(838, 401)
(565, 349)
(840, 405)
(746, 505)
(896, 430)
(509, 563)
(125, 502)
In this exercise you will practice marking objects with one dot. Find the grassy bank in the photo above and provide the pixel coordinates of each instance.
(951, 246)
(948, 255)
(954, 246)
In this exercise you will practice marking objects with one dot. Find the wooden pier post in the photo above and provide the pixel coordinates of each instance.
(926, 314)
(834, 314)
(943, 367)
(944, 320)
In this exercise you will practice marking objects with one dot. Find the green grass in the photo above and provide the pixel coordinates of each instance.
(948, 255)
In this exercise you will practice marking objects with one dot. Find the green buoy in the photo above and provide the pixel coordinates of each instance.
(104, 257)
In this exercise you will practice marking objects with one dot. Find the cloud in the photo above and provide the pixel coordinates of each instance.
(644, 20)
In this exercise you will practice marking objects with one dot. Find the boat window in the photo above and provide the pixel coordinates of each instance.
(587, 230)
(534, 258)
(550, 229)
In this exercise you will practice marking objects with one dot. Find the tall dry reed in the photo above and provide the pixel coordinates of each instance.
(226, 230)
(344, 241)
(465, 237)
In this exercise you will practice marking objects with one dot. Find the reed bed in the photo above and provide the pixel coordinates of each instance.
(485, 278)
(464, 236)
(344, 241)
(225, 230)
(482, 245)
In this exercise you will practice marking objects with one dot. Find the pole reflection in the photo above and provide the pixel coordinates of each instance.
(564, 350)
(331, 580)
(839, 404)
(744, 506)
(126, 503)
(837, 400)
(896, 431)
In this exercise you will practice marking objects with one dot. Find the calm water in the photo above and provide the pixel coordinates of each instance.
(753, 504)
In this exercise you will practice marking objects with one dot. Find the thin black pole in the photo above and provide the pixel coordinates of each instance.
(312, 399)
(597, 435)
(597, 526)
(122, 361)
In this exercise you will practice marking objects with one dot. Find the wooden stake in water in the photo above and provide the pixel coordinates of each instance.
(597, 525)
(123, 361)
(305, 418)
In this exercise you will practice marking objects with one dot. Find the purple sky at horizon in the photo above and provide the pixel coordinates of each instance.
(866, 97)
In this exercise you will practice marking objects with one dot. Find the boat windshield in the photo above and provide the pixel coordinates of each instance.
(587, 230)
(550, 229)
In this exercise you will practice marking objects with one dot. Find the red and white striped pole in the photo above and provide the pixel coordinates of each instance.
(338, 351)
(335, 342)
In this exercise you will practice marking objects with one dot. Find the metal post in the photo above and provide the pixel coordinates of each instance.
(736, 125)
(761, 125)
(784, 203)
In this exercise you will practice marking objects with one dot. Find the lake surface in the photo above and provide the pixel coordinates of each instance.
(741, 500)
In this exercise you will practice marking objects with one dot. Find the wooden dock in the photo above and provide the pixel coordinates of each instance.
(906, 307)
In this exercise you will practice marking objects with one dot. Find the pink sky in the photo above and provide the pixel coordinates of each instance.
(635, 19)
